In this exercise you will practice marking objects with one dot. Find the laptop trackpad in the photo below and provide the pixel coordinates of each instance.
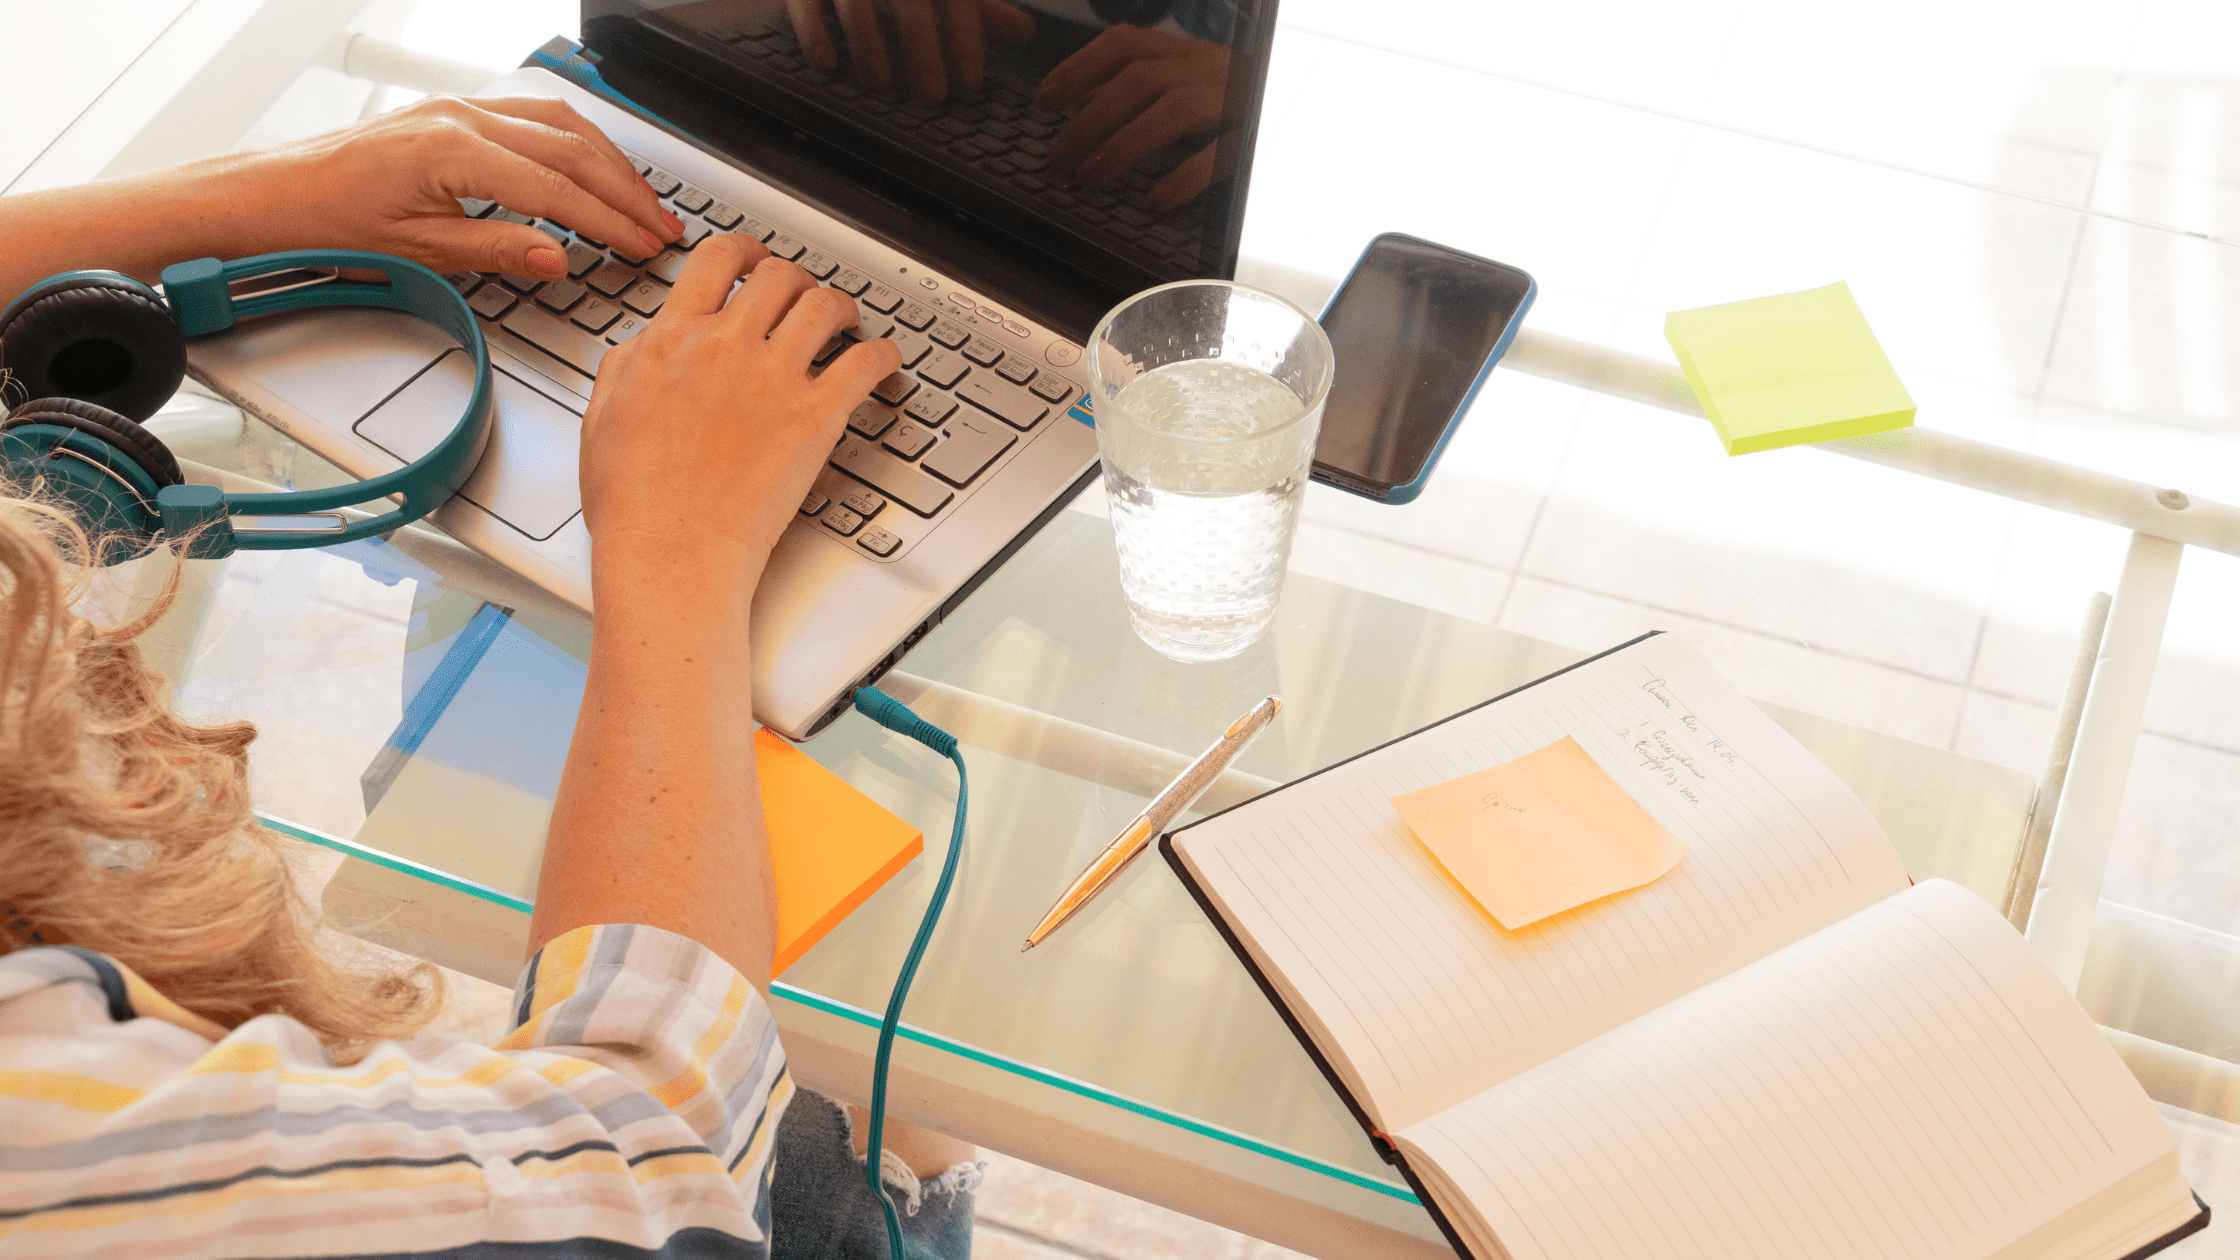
(527, 477)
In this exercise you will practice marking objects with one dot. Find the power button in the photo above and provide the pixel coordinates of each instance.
(1061, 354)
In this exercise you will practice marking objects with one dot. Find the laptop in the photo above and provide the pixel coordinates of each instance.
(944, 222)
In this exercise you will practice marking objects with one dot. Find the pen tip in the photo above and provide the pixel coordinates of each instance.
(1024, 948)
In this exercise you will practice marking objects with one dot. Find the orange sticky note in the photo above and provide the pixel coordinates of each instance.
(1540, 835)
(831, 846)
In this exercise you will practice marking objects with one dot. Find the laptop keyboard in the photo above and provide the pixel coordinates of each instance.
(996, 138)
(924, 438)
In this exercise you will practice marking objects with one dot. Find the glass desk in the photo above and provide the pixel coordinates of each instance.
(2044, 239)
(1131, 1049)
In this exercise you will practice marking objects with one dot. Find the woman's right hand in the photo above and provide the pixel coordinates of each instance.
(706, 430)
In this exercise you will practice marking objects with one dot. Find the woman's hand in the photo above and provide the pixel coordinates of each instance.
(1133, 91)
(392, 184)
(706, 430)
(389, 184)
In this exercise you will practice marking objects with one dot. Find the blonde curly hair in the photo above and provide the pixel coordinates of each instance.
(127, 831)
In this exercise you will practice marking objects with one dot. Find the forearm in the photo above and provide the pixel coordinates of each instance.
(138, 225)
(659, 815)
(390, 185)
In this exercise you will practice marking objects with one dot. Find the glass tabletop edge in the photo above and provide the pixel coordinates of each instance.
(1095, 1093)
(407, 866)
(857, 1015)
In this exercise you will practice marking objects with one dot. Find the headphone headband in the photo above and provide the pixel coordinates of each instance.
(94, 345)
(200, 295)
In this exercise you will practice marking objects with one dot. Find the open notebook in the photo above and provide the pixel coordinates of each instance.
(1781, 1048)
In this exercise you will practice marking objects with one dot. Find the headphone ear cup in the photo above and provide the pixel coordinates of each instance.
(92, 461)
(102, 337)
(121, 432)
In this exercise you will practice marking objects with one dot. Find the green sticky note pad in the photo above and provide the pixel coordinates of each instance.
(1788, 370)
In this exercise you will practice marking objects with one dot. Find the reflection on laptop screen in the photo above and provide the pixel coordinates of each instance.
(1112, 136)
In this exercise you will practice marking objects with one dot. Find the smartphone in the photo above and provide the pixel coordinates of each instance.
(1415, 330)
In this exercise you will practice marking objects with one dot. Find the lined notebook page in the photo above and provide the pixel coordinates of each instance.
(1911, 1082)
(1421, 999)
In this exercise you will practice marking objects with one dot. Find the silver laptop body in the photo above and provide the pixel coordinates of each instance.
(982, 437)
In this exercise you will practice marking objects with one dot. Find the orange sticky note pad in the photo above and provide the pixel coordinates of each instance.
(1540, 835)
(831, 846)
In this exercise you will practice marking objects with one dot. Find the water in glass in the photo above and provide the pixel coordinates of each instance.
(1202, 503)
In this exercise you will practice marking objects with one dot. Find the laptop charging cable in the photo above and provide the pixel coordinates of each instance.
(897, 717)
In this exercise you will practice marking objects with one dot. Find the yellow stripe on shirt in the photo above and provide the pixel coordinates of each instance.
(68, 1088)
(694, 1078)
(559, 973)
(250, 1058)
(561, 1071)
(683, 1162)
(427, 1144)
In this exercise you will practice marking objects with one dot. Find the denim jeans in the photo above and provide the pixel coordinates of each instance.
(820, 1208)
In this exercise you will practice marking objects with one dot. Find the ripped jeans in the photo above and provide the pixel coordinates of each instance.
(820, 1208)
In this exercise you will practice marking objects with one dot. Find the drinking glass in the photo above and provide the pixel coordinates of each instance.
(1207, 395)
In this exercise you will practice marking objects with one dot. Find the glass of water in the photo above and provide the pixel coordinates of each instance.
(1207, 395)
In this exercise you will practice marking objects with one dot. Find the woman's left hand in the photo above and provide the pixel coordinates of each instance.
(392, 184)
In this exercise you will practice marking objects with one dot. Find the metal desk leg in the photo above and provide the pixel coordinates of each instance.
(2084, 824)
(2030, 863)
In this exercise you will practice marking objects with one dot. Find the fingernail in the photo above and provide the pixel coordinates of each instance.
(550, 263)
(675, 224)
(653, 243)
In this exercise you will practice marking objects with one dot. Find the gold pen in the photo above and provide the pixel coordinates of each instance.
(1163, 809)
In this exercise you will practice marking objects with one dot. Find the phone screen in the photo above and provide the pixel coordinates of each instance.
(1412, 332)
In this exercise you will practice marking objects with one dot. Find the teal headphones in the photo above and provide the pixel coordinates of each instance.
(97, 352)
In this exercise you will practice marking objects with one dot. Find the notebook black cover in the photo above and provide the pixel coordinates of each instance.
(1383, 1144)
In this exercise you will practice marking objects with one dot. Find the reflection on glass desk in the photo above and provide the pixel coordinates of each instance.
(1156, 203)
(1131, 1049)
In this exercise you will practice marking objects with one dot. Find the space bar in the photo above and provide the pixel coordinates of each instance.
(565, 342)
(890, 476)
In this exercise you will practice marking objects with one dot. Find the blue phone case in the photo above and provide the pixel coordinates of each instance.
(1407, 493)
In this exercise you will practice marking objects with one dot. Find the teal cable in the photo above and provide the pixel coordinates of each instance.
(897, 717)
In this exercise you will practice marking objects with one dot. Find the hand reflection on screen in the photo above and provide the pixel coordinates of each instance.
(944, 42)
(1133, 91)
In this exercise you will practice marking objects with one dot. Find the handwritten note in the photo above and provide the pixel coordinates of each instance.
(1539, 835)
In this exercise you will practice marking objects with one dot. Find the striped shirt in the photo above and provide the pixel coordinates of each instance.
(630, 1114)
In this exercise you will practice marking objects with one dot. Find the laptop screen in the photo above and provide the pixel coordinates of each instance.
(1104, 148)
